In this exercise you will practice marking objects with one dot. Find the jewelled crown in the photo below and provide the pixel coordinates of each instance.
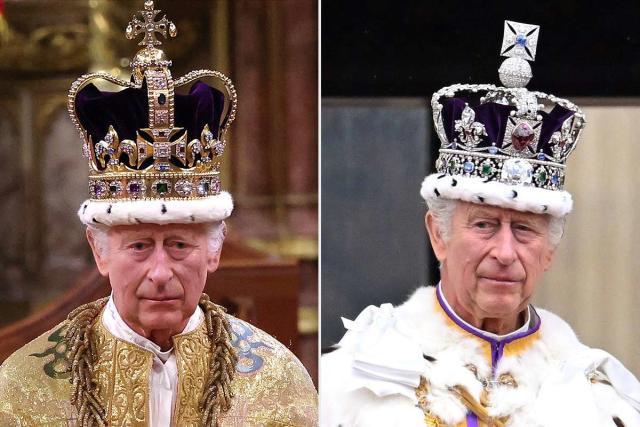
(147, 143)
(505, 135)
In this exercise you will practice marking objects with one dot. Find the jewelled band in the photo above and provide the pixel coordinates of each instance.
(501, 168)
(160, 92)
(167, 186)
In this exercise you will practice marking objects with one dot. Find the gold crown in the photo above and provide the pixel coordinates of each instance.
(162, 162)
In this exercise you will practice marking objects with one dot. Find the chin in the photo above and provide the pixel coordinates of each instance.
(161, 320)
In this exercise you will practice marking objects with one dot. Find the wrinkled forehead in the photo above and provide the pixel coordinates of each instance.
(469, 211)
(157, 231)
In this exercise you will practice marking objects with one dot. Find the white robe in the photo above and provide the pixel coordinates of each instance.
(370, 380)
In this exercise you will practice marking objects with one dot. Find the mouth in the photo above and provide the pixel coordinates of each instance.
(501, 280)
(161, 299)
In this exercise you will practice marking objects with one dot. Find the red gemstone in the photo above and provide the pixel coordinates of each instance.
(522, 136)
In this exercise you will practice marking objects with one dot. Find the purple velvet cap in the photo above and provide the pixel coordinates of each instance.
(128, 110)
(494, 118)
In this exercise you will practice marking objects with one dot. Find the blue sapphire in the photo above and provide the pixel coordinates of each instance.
(555, 179)
(521, 40)
(163, 167)
(493, 149)
(541, 156)
(468, 167)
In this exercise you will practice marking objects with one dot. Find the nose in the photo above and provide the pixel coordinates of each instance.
(504, 246)
(160, 272)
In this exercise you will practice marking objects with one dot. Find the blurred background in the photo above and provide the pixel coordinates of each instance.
(268, 48)
(381, 62)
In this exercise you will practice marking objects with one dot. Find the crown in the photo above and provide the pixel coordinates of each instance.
(508, 134)
(145, 142)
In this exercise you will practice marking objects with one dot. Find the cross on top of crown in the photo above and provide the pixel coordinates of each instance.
(150, 26)
(520, 40)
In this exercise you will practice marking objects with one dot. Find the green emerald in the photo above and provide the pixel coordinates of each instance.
(162, 187)
(542, 177)
(486, 169)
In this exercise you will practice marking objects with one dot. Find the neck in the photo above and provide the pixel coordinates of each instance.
(501, 325)
(160, 337)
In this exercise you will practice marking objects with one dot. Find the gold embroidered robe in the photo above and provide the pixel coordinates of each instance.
(271, 386)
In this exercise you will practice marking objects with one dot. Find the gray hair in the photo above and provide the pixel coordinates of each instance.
(442, 210)
(215, 231)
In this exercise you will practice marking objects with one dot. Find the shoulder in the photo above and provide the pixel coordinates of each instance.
(268, 376)
(40, 368)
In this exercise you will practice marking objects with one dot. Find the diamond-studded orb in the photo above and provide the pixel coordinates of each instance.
(515, 72)
(517, 172)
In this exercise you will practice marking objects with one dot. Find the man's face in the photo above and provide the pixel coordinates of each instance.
(157, 273)
(492, 259)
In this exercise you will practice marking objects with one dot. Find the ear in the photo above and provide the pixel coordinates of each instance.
(213, 261)
(435, 236)
(101, 258)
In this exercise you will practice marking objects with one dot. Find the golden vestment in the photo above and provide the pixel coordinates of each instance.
(271, 387)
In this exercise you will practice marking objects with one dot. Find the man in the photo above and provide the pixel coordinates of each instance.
(472, 351)
(156, 352)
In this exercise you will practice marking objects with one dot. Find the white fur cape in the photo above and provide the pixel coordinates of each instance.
(370, 380)
(191, 211)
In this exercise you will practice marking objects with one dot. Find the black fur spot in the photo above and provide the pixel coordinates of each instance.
(454, 182)
(138, 220)
(481, 199)
(429, 358)
(545, 208)
(193, 218)
(487, 180)
(435, 190)
(514, 194)
(441, 176)
(618, 422)
(96, 221)
(109, 209)
(164, 209)
(84, 209)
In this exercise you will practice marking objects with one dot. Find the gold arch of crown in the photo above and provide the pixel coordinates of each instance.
(162, 141)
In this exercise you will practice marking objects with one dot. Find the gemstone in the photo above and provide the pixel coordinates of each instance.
(517, 172)
(521, 40)
(541, 156)
(522, 136)
(162, 187)
(555, 178)
(208, 136)
(468, 166)
(203, 187)
(487, 169)
(162, 166)
(98, 189)
(135, 188)
(541, 178)
(216, 186)
(452, 166)
(493, 149)
(468, 115)
(162, 99)
(218, 148)
(115, 187)
(183, 187)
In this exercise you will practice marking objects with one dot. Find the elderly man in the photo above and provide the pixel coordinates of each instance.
(156, 352)
(473, 351)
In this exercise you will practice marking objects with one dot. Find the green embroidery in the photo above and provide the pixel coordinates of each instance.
(59, 367)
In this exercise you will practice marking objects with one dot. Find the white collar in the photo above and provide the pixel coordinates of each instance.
(114, 323)
(525, 327)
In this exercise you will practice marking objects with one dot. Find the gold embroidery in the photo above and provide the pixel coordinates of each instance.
(122, 374)
(193, 358)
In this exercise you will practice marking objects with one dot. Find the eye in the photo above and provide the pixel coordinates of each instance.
(178, 245)
(484, 225)
(139, 246)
